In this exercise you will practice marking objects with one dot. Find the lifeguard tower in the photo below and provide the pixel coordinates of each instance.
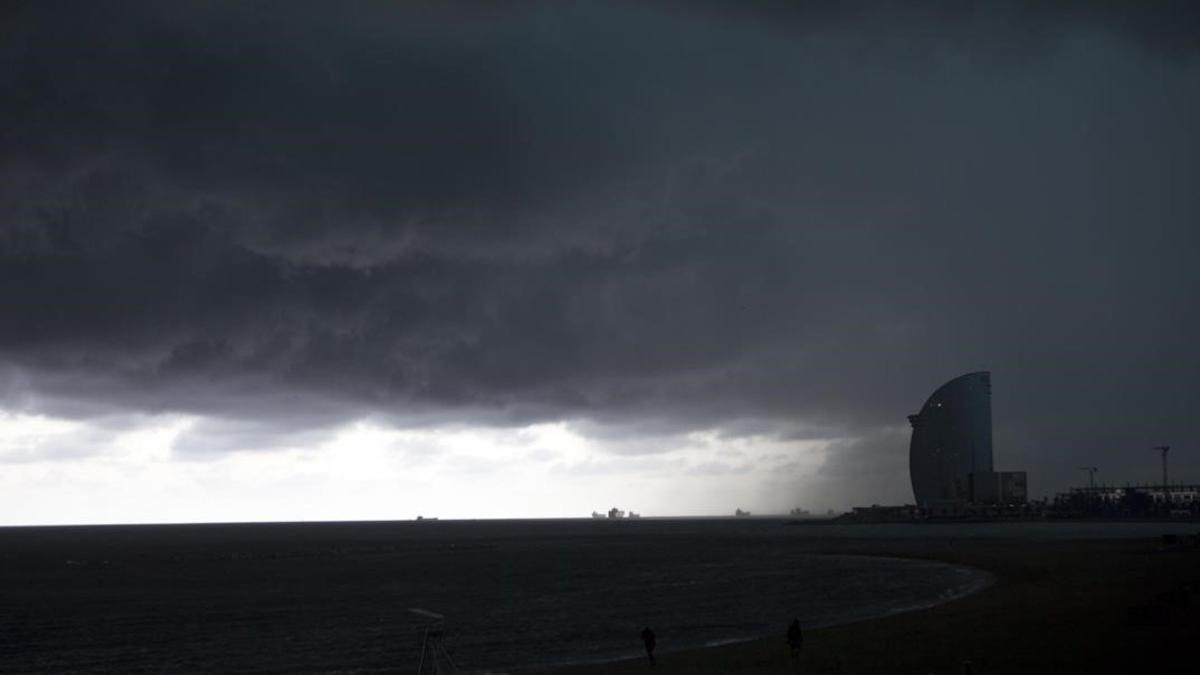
(434, 658)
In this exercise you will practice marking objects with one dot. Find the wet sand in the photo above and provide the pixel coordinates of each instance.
(1082, 606)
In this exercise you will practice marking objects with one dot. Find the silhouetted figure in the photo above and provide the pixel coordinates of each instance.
(795, 638)
(649, 640)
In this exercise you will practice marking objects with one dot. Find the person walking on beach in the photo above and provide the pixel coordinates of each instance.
(795, 638)
(648, 639)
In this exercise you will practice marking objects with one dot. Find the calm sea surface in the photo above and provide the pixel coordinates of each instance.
(336, 596)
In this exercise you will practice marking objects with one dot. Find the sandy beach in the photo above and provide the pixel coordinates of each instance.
(1079, 606)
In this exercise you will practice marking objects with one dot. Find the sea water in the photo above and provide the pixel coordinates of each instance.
(336, 597)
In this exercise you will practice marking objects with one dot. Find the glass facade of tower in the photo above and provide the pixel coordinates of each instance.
(952, 439)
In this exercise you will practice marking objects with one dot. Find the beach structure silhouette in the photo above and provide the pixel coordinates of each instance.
(434, 658)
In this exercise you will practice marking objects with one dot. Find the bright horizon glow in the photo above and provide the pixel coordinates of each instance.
(133, 470)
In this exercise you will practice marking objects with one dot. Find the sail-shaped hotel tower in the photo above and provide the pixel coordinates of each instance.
(950, 456)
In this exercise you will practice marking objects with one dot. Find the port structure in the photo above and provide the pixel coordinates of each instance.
(1091, 475)
(433, 650)
(1163, 449)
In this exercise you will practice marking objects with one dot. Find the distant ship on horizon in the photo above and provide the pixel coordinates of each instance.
(615, 514)
(741, 514)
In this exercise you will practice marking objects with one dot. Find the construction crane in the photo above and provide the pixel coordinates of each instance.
(1163, 449)
(1091, 475)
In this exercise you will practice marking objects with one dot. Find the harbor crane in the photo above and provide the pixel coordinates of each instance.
(1091, 475)
(1163, 449)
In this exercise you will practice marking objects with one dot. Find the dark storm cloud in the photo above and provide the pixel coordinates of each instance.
(1169, 28)
(791, 218)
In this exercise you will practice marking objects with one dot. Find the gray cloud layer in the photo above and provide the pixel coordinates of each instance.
(742, 215)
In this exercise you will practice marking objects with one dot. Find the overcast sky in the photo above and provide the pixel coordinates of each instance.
(372, 260)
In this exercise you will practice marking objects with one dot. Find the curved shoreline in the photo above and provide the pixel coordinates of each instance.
(983, 580)
(1051, 607)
